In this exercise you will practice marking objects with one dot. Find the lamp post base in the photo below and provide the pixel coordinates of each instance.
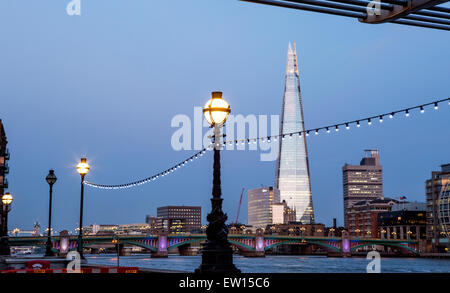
(217, 258)
(48, 251)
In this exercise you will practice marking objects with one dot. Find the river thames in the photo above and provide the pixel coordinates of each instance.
(281, 264)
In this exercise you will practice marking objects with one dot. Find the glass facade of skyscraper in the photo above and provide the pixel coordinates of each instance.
(292, 178)
(260, 206)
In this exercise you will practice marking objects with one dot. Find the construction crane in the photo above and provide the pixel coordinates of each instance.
(239, 207)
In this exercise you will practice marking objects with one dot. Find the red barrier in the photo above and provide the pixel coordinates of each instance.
(93, 270)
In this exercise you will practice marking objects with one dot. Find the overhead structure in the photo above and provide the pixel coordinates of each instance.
(422, 13)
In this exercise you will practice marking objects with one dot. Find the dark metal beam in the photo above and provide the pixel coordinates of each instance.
(363, 3)
(415, 23)
(329, 5)
(396, 2)
(432, 14)
(439, 9)
(309, 8)
(427, 19)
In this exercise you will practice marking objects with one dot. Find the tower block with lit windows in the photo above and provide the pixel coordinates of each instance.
(292, 177)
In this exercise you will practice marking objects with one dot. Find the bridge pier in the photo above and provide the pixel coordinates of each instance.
(345, 245)
(187, 250)
(64, 242)
(259, 246)
(250, 253)
(162, 246)
(123, 251)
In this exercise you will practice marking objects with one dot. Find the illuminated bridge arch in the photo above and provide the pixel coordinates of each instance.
(183, 241)
(308, 242)
(390, 244)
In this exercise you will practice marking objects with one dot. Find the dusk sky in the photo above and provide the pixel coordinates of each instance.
(107, 84)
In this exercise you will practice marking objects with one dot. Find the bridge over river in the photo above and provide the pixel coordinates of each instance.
(247, 244)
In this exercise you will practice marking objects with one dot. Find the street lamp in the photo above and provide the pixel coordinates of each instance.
(332, 232)
(7, 199)
(409, 234)
(51, 179)
(116, 242)
(82, 169)
(357, 232)
(303, 229)
(217, 255)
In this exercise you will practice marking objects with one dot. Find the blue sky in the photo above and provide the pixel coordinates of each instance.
(106, 85)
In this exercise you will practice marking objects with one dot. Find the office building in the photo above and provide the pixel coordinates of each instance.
(292, 173)
(260, 205)
(362, 216)
(363, 182)
(179, 219)
(404, 221)
(437, 195)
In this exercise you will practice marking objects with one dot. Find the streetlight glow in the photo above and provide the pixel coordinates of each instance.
(7, 198)
(216, 110)
(83, 167)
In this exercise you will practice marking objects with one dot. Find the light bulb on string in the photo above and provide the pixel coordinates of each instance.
(317, 132)
(421, 109)
(381, 119)
(407, 113)
(347, 126)
(369, 122)
(435, 106)
(391, 115)
(337, 128)
(357, 124)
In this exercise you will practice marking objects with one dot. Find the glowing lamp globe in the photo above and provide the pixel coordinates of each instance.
(216, 110)
(83, 167)
(7, 199)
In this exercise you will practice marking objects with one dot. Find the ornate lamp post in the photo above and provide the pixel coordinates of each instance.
(51, 179)
(217, 254)
(82, 169)
(7, 199)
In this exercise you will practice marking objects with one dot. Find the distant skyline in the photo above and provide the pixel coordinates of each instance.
(106, 85)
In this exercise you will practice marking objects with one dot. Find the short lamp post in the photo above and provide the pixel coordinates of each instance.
(51, 179)
(217, 254)
(332, 232)
(408, 235)
(357, 233)
(7, 200)
(82, 169)
(115, 241)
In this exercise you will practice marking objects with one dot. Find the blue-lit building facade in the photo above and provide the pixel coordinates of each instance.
(292, 174)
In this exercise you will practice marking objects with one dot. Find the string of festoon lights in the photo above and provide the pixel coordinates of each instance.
(268, 139)
(151, 178)
(337, 127)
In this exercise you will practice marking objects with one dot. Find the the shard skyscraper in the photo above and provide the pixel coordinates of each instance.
(292, 177)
